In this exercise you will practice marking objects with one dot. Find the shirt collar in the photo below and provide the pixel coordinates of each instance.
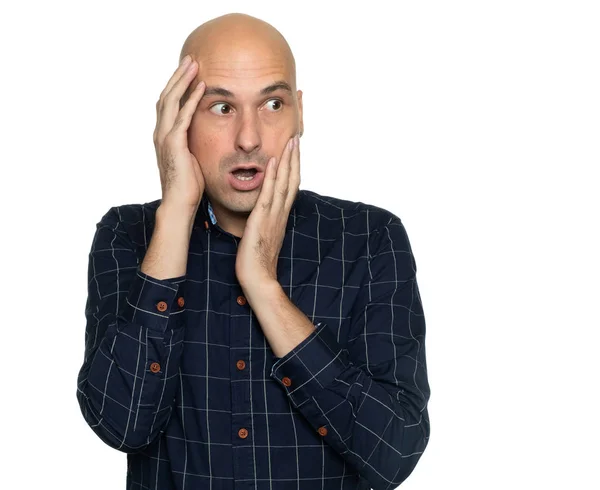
(207, 216)
(213, 218)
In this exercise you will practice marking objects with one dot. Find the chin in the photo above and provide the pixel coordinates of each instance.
(241, 202)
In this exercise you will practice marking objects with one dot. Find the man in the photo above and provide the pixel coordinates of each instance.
(243, 333)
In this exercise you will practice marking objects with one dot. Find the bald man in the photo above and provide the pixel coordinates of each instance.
(243, 333)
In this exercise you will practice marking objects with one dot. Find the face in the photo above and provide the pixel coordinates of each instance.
(249, 111)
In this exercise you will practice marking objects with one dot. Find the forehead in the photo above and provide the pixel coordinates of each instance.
(242, 67)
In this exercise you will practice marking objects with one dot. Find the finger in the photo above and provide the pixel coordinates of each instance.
(294, 179)
(177, 74)
(169, 103)
(171, 98)
(283, 173)
(265, 197)
(184, 117)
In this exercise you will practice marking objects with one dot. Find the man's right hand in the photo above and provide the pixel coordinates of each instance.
(181, 178)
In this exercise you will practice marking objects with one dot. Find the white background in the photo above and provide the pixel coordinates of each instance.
(476, 122)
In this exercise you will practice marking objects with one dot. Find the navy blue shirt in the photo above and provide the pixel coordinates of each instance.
(178, 374)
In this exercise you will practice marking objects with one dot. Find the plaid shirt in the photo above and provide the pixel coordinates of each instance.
(178, 374)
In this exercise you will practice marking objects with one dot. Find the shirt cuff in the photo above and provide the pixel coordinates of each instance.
(311, 366)
(155, 303)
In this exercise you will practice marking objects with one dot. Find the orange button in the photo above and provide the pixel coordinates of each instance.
(241, 364)
(161, 306)
(241, 300)
(287, 381)
(243, 433)
(155, 367)
(322, 431)
(180, 301)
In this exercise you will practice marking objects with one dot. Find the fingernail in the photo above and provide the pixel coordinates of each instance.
(291, 144)
(296, 140)
(185, 60)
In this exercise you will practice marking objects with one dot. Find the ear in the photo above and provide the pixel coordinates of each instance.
(301, 120)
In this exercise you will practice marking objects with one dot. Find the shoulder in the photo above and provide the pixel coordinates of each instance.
(134, 220)
(132, 213)
(356, 215)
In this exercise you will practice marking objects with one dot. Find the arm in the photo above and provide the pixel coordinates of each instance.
(371, 397)
(134, 331)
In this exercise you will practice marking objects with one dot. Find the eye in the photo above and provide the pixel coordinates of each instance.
(277, 104)
(220, 112)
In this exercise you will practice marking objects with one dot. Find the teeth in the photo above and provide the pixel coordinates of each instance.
(244, 178)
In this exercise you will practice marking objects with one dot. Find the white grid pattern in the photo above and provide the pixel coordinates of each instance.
(361, 375)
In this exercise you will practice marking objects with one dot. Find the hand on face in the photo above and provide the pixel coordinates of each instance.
(263, 236)
(181, 178)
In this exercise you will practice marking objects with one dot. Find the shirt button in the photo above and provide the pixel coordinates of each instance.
(241, 364)
(287, 381)
(323, 431)
(180, 301)
(241, 300)
(155, 367)
(243, 433)
(161, 306)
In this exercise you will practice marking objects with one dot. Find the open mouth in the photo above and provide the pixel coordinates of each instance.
(244, 174)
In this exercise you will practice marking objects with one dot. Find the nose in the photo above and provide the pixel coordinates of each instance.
(248, 134)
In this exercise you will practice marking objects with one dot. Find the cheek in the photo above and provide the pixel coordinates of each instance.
(202, 143)
(208, 149)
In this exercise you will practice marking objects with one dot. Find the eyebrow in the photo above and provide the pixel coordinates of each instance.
(223, 92)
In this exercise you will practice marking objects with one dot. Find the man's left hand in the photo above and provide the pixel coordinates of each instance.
(258, 251)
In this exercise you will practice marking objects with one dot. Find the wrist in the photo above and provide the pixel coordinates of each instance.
(267, 290)
(170, 218)
(171, 212)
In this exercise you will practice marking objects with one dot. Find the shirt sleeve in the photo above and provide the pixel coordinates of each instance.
(369, 401)
(133, 342)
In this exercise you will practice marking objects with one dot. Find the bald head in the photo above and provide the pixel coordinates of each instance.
(238, 38)
(248, 111)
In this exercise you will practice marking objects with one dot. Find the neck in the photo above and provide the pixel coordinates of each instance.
(231, 222)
